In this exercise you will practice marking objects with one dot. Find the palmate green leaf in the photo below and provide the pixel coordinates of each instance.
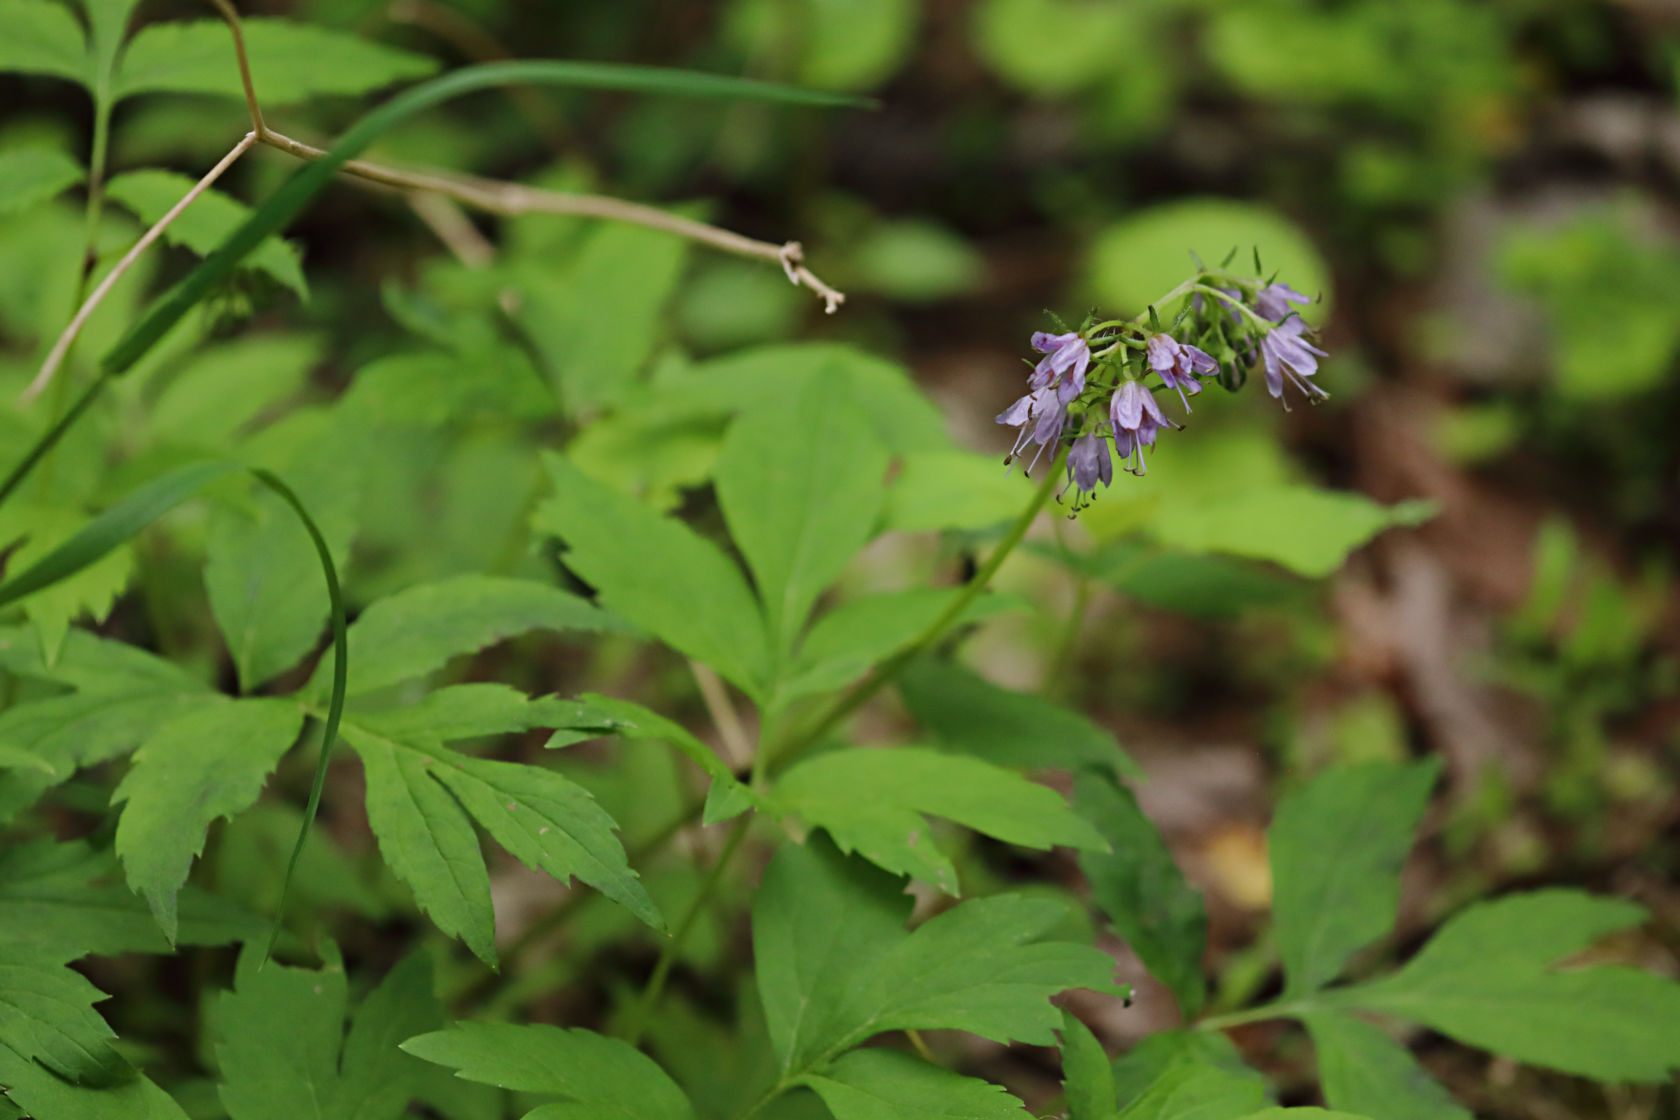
(1337, 847)
(598, 1078)
(208, 763)
(1308, 531)
(844, 643)
(970, 715)
(1087, 1078)
(836, 967)
(42, 37)
(290, 62)
(871, 802)
(30, 176)
(284, 1053)
(41, 1093)
(419, 629)
(1487, 978)
(1139, 886)
(659, 574)
(1362, 1069)
(887, 1085)
(47, 1015)
(149, 194)
(67, 897)
(422, 800)
(800, 483)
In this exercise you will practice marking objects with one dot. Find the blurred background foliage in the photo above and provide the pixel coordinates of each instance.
(1482, 191)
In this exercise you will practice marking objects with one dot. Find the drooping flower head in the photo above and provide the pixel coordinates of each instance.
(1040, 416)
(1136, 419)
(1273, 301)
(1088, 463)
(1066, 357)
(1178, 363)
(1286, 352)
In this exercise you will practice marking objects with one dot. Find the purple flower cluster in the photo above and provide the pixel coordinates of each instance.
(1067, 386)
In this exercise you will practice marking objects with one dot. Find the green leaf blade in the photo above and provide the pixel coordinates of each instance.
(1087, 1077)
(1138, 884)
(551, 824)
(212, 217)
(1337, 848)
(607, 1076)
(211, 762)
(1363, 1070)
(659, 574)
(971, 715)
(1486, 979)
(419, 629)
(427, 840)
(41, 37)
(46, 1014)
(290, 62)
(30, 176)
(801, 487)
(871, 801)
(886, 1085)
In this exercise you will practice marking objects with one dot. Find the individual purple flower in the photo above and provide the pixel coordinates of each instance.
(1273, 301)
(1136, 418)
(1088, 463)
(1286, 351)
(1178, 363)
(1066, 357)
(1040, 416)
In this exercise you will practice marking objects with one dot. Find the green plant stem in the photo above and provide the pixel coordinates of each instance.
(1284, 1010)
(884, 673)
(637, 1022)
